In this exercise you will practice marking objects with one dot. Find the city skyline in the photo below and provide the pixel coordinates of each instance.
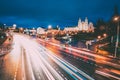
(63, 13)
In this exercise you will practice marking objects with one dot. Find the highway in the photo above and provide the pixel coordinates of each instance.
(39, 59)
(99, 67)
(29, 60)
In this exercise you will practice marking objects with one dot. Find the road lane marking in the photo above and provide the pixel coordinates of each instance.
(106, 74)
(23, 66)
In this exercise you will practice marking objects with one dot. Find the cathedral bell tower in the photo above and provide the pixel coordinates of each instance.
(80, 24)
(86, 24)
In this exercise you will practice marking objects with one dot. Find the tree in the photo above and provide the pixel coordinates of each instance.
(112, 24)
(101, 26)
(2, 26)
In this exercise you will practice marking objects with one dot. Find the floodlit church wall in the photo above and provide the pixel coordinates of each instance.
(83, 26)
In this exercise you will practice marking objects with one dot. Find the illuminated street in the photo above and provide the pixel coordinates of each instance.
(104, 66)
(29, 60)
(44, 60)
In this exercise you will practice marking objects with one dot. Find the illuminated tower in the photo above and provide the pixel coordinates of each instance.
(86, 24)
(80, 24)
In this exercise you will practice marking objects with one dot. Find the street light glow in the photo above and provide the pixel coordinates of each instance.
(99, 37)
(104, 34)
(49, 27)
(116, 18)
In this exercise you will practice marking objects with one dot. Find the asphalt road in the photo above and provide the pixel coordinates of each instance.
(100, 68)
(28, 60)
(36, 59)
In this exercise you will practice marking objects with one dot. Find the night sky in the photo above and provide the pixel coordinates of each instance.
(32, 13)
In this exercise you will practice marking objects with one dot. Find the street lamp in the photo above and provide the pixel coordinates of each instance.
(49, 27)
(117, 39)
(99, 37)
(14, 26)
(104, 34)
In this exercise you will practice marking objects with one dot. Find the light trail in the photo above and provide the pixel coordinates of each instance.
(101, 58)
(48, 65)
(107, 75)
(32, 53)
(67, 66)
(44, 68)
(35, 54)
(23, 66)
(98, 57)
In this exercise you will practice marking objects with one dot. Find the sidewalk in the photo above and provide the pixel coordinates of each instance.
(6, 46)
(100, 50)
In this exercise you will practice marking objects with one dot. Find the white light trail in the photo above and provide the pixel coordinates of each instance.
(102, 58)
(106, 74)
(30, 47)
(59, 60)
(23, 66)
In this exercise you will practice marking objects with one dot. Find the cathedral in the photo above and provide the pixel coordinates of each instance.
(83, 26)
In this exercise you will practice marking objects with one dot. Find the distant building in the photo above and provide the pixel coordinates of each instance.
(40, 30)
(26, 31)
(83, 26)
(33, 31)
(14, 26)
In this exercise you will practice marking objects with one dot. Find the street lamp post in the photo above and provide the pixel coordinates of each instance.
(117, 39)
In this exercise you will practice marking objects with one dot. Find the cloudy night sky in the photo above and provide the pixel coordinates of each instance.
(32, 13)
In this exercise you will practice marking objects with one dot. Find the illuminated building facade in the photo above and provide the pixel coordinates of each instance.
(83, 26)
